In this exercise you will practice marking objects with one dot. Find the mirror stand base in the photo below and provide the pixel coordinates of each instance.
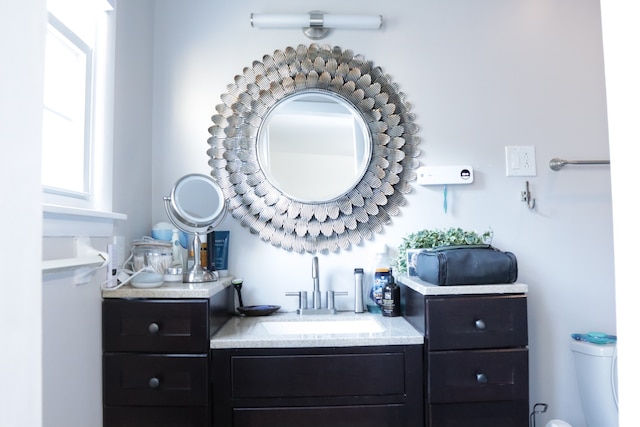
(197, 274)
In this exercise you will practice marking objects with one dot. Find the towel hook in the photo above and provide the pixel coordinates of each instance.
(525, 196)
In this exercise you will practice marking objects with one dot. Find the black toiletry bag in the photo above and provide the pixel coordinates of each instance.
(466, 265)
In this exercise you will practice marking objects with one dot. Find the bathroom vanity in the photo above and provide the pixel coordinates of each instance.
(174, 355)
(345, 369)
(475, 353)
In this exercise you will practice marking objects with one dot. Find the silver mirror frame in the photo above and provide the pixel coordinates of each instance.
(325, 226)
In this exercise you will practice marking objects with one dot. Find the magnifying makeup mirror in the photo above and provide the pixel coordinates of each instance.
(196, 205)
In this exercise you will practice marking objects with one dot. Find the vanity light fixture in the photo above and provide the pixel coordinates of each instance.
(316, 25)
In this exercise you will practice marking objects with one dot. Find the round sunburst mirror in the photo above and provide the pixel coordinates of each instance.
(314, 148)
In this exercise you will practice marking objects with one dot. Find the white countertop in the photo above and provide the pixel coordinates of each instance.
(248, 332)
(171, 290)
(426, 288)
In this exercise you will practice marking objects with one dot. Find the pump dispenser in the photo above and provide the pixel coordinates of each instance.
(391, 298)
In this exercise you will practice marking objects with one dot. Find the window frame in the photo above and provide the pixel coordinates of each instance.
(88, 137)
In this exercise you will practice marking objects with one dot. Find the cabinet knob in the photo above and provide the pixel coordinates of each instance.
(481, 378)
(154, 382)
(480, 324)
(154, 328)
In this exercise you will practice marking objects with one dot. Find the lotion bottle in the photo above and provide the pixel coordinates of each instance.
(377, 279)
(391, 298)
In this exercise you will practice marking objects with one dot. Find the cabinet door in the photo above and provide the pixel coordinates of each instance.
(324, 386)
(155, 326)
(492, 321)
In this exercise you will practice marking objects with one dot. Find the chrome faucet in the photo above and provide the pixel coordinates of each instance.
(316, 299)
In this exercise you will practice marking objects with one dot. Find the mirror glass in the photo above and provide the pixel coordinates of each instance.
(197, 200)
(314, 146)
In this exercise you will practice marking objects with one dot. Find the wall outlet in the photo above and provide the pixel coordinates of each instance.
(115, 250)
(118, 242)
(520, 160)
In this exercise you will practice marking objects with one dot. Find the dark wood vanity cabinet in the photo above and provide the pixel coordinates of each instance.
(476, 358)
(156, 360)
(318, 387)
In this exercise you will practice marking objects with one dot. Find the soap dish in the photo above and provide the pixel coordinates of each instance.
(258, 310)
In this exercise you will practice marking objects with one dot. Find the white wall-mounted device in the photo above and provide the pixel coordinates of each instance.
(442, 175)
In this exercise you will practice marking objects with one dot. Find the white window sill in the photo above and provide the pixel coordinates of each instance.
(62, 221)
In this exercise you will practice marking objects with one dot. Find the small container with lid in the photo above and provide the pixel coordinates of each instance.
(152, 255)
(358, 302)
(173, 274)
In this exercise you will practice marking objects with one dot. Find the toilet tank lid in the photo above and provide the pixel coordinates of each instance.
(601, 350)
(595, 337)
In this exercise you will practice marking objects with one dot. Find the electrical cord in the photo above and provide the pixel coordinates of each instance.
(538, 408)
(124, 276)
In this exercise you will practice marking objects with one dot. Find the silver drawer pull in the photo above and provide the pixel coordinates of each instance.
(154, 328)
(481, 378)
(480, 324)
(154, 383)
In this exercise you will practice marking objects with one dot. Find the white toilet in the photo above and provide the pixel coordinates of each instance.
(596, 370)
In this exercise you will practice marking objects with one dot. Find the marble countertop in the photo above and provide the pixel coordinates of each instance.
(171, 290)
(249, 332)
(426, 288)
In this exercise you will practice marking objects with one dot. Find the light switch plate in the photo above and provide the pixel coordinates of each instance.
(520, 160)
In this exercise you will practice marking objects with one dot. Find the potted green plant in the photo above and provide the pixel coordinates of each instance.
(435, 238)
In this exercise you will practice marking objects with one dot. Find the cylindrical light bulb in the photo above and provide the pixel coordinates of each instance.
(289, 20)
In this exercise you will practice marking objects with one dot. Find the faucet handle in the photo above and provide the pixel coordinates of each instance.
(331, 301)
(302, 299)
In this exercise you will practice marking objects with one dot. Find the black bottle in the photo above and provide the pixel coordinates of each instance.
(391, 298)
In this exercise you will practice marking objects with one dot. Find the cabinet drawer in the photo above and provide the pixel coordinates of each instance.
(334, 416)
(478, 375)
(131, 416)
(168, 326)
(146, 380)
(318, 375)
(492, 321)
(485, 414)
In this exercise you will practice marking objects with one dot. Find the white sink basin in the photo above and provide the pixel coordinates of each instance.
(298, 327)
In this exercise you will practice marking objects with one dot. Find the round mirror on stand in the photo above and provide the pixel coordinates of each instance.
(196, 205)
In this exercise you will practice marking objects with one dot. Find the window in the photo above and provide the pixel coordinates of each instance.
(78, 57)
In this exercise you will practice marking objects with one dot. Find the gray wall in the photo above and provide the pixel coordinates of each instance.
(479, 76)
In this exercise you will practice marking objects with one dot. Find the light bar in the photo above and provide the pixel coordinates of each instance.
(316, 24)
